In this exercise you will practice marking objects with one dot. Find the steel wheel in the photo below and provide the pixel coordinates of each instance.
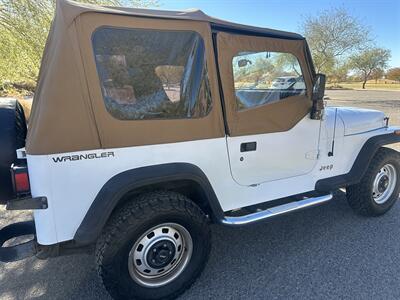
(384, 184)
(160, 255)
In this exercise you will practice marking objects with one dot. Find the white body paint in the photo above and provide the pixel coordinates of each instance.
(284, 164)
(279, 155)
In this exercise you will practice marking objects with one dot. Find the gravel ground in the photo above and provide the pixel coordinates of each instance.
(322, 253)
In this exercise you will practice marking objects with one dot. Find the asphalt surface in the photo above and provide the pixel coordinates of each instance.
(386, 101)
(363, 95)
(326, 252)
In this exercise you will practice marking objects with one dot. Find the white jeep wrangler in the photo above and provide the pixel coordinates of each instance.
(149, 125)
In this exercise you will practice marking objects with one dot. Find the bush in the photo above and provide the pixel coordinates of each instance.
(17, 89)
(24, 26)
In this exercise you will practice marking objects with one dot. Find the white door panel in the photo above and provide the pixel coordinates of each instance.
(278, 155)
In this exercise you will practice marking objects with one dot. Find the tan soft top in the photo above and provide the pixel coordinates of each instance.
(68, 111)
(72, 9)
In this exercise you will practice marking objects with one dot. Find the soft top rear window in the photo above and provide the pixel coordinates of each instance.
(152, 74)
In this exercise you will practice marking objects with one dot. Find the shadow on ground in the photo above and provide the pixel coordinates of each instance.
(323, 253)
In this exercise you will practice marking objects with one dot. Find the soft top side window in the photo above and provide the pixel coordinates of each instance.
(152, 74)
(262, 78)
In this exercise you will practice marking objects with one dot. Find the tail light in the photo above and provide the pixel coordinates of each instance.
(20, 178)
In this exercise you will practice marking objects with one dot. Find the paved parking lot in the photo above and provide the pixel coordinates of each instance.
(386, 101)
(322, 253)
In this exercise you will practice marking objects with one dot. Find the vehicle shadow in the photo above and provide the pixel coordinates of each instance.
(323, 252)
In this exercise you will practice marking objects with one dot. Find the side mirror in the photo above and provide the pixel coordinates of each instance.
(318, 97)
(243, 63)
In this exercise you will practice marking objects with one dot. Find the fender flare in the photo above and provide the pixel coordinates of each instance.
(360, 165)
(121, 184)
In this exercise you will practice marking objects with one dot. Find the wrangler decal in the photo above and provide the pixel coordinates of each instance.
(82, 156)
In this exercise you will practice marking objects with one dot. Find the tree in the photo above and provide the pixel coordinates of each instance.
(369, 61)
(377, 74)
(333, 34)
(288, 62)
(339, 73)
(24, 26)
(393, 74)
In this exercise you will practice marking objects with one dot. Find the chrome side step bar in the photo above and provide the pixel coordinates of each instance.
(276, 211)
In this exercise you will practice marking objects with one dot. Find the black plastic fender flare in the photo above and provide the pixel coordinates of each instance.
(22, 250)
(360, 165)
(121, 184)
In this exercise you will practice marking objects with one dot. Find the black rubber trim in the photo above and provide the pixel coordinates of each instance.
(119, 185)
(20, 251)
(27, 203)
(360, 166)
(254, 32)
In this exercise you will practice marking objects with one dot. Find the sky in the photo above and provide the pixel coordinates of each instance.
(381, 16)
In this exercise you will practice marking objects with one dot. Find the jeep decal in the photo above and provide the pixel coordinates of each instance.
(82, 157)
(326, 168)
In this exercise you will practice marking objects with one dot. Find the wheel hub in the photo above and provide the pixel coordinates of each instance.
(384, 184)
(161, 254)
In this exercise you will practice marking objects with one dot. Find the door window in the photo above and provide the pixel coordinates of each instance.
(266, 77)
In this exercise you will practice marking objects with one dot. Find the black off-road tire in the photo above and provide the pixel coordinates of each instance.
(12, 137)
(360, 196)
(129, 223)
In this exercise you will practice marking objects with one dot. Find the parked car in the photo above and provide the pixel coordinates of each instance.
(283, 82)
(115, 166)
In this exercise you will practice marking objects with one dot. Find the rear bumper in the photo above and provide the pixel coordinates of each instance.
(27, 248)
(27, 203)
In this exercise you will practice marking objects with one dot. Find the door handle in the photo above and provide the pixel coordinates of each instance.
(250, 146)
